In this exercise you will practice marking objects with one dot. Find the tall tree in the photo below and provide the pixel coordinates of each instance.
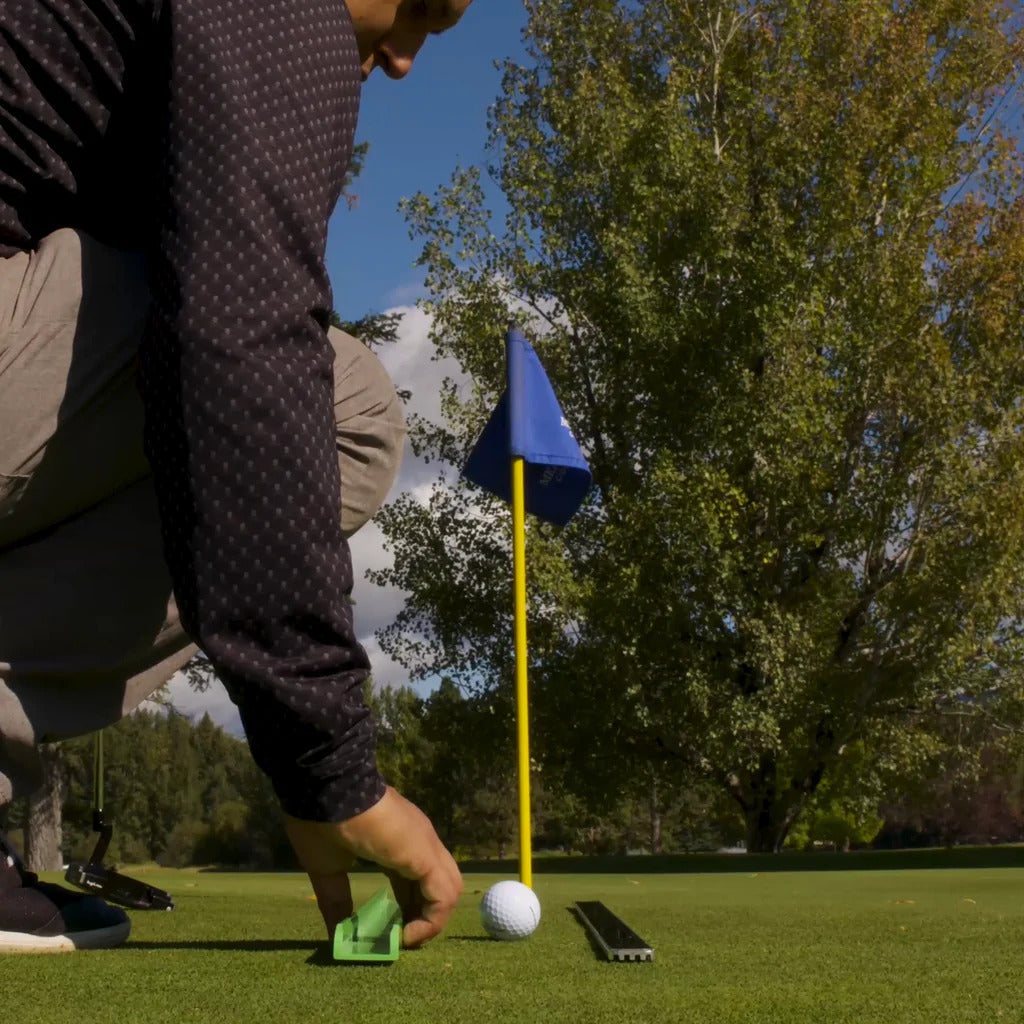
(43, 820)
(772, 254)
(403, 753)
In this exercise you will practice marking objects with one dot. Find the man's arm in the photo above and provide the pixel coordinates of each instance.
(236, 376)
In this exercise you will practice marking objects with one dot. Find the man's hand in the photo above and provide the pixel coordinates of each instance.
(398, 836)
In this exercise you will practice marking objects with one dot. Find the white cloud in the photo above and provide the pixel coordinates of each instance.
(411, 367)
(410, 364)
(214, 702)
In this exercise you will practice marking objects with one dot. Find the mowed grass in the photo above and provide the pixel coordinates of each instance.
(860, 946)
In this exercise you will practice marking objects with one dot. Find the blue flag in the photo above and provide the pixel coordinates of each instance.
(528, 422)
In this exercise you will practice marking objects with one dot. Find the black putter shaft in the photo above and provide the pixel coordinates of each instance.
(93, 877)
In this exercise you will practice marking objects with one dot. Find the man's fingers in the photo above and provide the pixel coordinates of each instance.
(334, 897)
(422, 918)
(327, 863)
(407, 895)
(426, 905)
(422, 930)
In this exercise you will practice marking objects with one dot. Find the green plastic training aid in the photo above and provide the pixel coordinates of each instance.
(372, 934)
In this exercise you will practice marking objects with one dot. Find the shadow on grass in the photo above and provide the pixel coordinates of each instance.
(594, 944)
(228, 946)
(323, 956)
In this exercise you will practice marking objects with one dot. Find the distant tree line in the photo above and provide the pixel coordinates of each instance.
(186, 793)
(177, 792)
(455, 755)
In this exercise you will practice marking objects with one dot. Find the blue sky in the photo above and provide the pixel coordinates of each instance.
(419, 130)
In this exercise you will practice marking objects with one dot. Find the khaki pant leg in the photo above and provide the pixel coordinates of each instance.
(88, 628)
(71, 317)
(370, 429)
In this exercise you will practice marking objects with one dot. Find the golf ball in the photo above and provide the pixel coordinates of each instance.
(509, 911)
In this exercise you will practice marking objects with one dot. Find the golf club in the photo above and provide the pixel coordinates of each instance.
(103, 881)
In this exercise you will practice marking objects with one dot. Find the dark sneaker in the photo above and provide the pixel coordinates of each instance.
(40, 917)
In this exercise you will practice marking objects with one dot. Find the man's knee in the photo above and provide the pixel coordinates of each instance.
(370, 430)
(71, 318)
(79, 648)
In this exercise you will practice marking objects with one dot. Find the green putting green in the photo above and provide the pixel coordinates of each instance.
(928, 946)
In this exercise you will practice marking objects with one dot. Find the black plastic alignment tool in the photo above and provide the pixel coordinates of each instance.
(616, 939)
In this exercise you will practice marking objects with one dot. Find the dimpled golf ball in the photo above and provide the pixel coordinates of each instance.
(509, 911)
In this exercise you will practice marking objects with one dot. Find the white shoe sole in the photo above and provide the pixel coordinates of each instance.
(100, 938)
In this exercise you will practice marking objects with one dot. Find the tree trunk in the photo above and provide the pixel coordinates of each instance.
(764, 836)
(43, 827)
(766, 814)
(655, 818)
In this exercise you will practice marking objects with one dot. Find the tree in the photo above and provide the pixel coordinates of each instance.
(844, 810)
(42, 826)
(175, 791)
(403, 753)
(772, 255)
(984, 804)
(469, 783)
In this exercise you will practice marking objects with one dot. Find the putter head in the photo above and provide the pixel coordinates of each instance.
(114, 887)
(109, 884)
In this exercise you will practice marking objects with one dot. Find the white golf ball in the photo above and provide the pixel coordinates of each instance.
(509, 911)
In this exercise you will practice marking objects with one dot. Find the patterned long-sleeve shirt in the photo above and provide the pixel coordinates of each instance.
(214, 135)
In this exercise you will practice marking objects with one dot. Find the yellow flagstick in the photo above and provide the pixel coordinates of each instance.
(522, 704)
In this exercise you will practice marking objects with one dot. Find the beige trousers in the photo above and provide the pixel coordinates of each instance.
(88, 624)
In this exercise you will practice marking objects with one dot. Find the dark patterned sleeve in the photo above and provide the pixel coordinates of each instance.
(236, 376)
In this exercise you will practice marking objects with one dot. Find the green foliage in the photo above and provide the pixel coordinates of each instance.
(227, 841)
(402, 749)
(183, 843)
(176, 792)
(354, 169)
(373, 330)
(772, 256)
(954, 809)
(455, 756)
(844, 810)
